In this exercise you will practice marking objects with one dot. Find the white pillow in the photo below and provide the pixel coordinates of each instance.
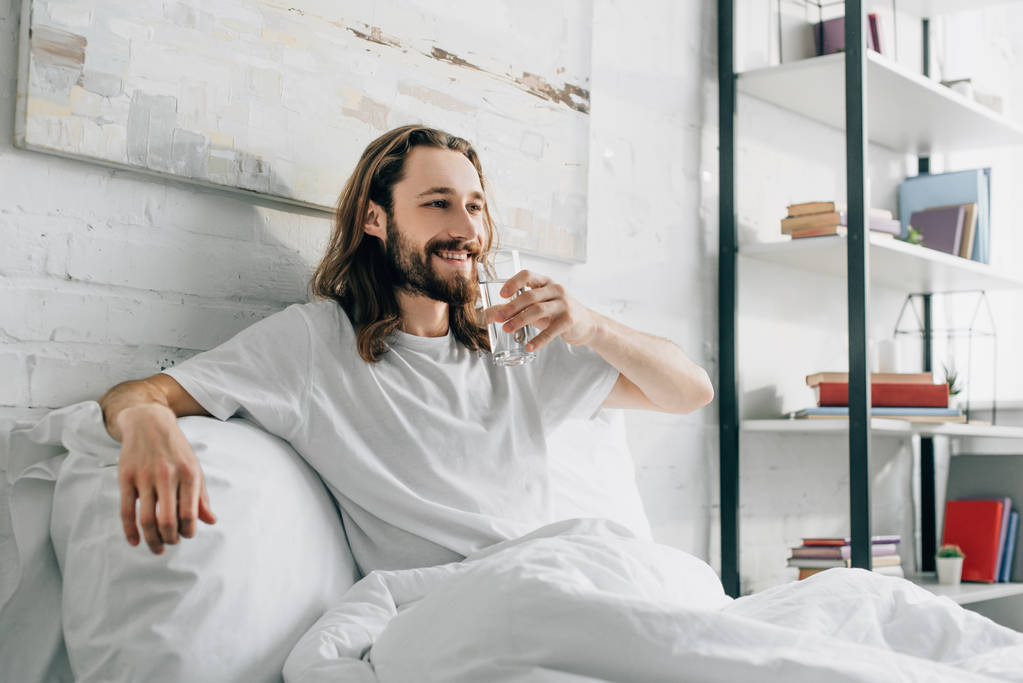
(226, 605)
(593, 474)
(31, 641)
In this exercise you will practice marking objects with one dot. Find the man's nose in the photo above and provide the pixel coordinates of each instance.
(465, 226)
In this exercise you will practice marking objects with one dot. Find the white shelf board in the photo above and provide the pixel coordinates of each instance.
(966, 593)
(906, 112)
(893, 263)
(884, 426)
(927, 9)
(980, 431)
(878, 425)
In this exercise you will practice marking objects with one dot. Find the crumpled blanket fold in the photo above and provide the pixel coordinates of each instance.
(584, 600)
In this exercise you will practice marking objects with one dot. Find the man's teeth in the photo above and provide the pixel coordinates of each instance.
(453, 255)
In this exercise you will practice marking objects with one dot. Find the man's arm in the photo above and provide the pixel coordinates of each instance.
(156, 465)
(655, 374)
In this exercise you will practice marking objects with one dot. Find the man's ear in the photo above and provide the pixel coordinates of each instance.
(376, 222)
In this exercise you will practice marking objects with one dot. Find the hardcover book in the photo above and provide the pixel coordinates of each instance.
(969, 230)
(876, 561)
(829, 35)
(910, 414)
(875, 378)
(1010, 548)
(975, 526)
(874, 27)
(832, 230)
(841, 552)
(831, 541)
(805, 208)
(877, 223)
(812, 220)
(892, 394)
(1003, 533)
(940, 227)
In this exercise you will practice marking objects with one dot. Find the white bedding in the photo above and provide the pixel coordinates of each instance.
(586, 601)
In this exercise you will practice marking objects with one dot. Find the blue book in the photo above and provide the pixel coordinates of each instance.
(1010, 548)
(1003, 533)
(929, 190)
(843, 411)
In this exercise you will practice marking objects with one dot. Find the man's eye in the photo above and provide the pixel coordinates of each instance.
(439, 203)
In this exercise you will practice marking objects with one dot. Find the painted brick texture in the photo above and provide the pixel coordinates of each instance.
(112, 275)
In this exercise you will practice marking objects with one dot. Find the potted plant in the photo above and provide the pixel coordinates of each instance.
(954, 382)
(950, 564)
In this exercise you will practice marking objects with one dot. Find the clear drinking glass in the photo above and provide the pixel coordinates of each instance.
(507, 348)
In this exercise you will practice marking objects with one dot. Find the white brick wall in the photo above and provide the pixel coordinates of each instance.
(110, 275)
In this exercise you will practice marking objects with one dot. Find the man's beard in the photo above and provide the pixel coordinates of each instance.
(412, 270)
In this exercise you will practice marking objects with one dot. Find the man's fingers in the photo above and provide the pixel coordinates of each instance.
(205, 511)
(188, 505)
(128, 496)
(532, 316)
(510, 309)
(167, 506)
(147, 518)
(524, 278)
(544, 338)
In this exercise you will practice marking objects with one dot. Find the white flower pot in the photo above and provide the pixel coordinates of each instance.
(950, 570)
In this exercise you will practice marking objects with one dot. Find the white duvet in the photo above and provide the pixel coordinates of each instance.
(586, 601)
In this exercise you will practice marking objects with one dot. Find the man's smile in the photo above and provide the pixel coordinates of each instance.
(453, 257)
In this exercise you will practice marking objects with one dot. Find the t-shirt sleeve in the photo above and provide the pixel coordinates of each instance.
(571, 381)
(262, 373)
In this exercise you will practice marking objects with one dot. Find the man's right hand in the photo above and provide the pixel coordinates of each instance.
(157, 469)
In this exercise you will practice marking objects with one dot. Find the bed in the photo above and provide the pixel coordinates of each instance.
(271, 591)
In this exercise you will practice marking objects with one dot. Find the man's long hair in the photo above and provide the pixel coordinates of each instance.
(355, 270)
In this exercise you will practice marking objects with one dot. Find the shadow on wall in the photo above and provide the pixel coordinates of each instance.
(762, 403)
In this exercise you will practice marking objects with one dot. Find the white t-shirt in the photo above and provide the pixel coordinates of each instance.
(431, 453)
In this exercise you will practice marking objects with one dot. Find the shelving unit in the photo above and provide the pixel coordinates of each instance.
(908, 113)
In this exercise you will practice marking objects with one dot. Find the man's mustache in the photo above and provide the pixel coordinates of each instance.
(472, 248)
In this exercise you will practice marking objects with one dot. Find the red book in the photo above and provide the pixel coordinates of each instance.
(976, 527)
(889, 395)
(831, 542)
(841, 552)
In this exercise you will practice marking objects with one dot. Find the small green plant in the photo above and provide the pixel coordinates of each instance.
(950, 551)
(952, 380)
(914, 236)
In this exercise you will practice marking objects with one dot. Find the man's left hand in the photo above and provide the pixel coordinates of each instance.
(547, 307)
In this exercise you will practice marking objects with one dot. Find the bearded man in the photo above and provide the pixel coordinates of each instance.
(384, 383)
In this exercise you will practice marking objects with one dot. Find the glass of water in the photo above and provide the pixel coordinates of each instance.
(507, 348)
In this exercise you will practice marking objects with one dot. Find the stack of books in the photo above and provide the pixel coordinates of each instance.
(953, 190)
(819, 219)
(909, 396)
(951, 229)
(818, 554)
(985, 530)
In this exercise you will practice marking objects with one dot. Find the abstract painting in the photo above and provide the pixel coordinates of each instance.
(280, 98)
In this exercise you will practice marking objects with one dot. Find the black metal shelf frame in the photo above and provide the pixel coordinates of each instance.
(858, 300)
